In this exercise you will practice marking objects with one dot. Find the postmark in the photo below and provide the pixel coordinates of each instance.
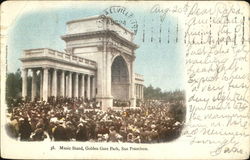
(122, 16)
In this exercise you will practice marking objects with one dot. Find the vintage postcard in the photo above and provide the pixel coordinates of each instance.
(125, 80)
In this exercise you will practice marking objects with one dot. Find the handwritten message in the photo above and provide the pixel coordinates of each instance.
(217, 65)
(216, 36)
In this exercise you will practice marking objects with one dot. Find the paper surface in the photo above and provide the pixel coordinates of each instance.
(212, 40)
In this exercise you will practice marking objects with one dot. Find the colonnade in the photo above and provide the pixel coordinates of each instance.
(57, 82)
(139, 91)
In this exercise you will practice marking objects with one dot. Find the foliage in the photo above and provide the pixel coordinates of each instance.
(13, 87)
(178, 110)
(170, 96)
(13, 84)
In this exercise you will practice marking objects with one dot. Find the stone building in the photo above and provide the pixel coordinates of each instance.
(98, 62)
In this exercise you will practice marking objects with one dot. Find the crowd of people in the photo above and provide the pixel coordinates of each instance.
(77, 119)
(120, 103)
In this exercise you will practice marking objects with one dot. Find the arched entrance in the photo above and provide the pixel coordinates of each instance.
(120, 79)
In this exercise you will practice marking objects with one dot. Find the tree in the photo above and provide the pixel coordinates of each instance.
(13, 84)
(177, 110)
(170, 96)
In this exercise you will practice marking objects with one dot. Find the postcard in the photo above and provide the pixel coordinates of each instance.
(125, 80)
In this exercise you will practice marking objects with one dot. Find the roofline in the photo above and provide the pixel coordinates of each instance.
(83, 19)
(98, 17)
(65, 37)
(25, 59)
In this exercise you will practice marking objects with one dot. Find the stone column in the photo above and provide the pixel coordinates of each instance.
(132, 98)
(139, 89)
(76, 85)
(49, 83)
(41, 84)
(83, 86)
(108, 78)
(62, 90)
(54, 83)
(70, 85)
(130, 89)
(88, 87)
(93, 87)
(34, 87)
(136, 90)
(45, 83)
(24, 82)
(142, 92)
(66, 84)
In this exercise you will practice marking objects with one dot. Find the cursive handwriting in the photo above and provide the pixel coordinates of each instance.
(217, 67)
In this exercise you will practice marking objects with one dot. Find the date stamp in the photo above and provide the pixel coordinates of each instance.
(122, 16)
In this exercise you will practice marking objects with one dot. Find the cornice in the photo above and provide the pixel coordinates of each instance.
(107, 33)
(56, 60)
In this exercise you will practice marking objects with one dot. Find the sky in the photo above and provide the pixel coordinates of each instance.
(161, 63)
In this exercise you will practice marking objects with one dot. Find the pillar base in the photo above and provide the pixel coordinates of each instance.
(133, 102)
(106, 102)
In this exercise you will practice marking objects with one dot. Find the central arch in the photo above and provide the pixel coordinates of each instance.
(120, 79)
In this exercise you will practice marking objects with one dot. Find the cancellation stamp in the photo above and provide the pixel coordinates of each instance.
(123, 16)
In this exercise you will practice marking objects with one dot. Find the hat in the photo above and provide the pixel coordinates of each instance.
(68, 123)
(39, 125)
(54, 119)
(60, 121)
(153, 126)
(130, 134)
(83, 121)
(80, 124)
(112, 128)
(177, 123)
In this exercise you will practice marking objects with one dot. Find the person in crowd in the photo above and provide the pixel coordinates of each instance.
(130, 138)
(79, 119)
(82, 133)
(12, 128)
(59, 132)
(39, 134)
(24, 129)
(113, 137)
